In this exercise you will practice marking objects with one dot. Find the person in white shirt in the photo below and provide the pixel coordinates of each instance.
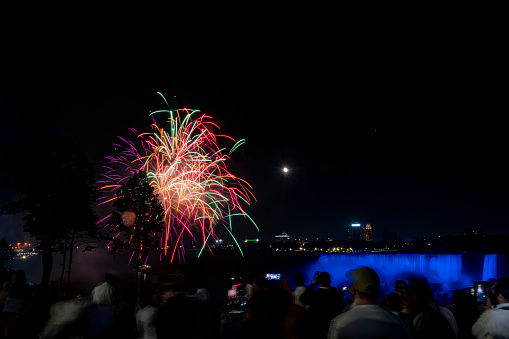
(494, 322)
(366, 319)
(103, 294)
(298, 279)
(147, 311)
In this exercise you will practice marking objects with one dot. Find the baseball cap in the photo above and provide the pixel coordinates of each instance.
(364, 279)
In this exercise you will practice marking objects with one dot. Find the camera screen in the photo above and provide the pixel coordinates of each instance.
(272, 276)
(232, 293)
(480, 293)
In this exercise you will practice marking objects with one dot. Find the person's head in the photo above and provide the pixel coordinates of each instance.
(501, 290)
(251, 278)
(260, 282)
(195, 275)
(265, 304)
(408, 297)
(422, 291)
(298, 279)
(323, 279)
(109, 278)
(147, 294)
(365, 284)
(399, 286)
(392, 302)
(166, 292)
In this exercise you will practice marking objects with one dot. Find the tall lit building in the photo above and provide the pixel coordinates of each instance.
(357, 231)
(368, 233)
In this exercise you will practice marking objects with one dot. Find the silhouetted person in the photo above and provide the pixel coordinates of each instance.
(125, 300)
(14, 317)
(494, 322)
(264, 316)
(206, 313)
(4, 282)
(184, 314)
(465, 312)
(324, 303)
(249, 286)
(146, 313)
(432, 320)
(296, 323)
(392, 302)
(175, 317)
(399, 286)
(408, 304)
(100, 318)
(366, 319)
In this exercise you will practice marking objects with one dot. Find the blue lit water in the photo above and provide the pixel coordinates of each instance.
(449, 271)
(489, 267)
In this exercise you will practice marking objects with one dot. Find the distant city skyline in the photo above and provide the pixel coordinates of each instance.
(13, 234)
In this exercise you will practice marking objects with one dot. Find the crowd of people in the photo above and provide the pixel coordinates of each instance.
(185, 307)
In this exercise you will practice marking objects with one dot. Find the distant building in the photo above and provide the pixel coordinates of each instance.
(357, 231)
(389, 236)
(283, 237)
(368, 233)
(474, 232)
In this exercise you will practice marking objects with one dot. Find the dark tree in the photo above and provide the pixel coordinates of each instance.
(75, 237)
(137, 218)
(56, 181)
(6, 251)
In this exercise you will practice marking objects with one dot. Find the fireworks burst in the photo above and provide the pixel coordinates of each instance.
(189, 171)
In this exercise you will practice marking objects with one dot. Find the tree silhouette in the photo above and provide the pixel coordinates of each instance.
(137, 219)
(56, 181)
(6, 252)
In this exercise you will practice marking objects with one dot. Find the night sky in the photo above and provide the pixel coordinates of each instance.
(403, 131)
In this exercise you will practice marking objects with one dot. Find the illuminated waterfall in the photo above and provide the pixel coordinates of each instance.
(489, 267)
(444, 269)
